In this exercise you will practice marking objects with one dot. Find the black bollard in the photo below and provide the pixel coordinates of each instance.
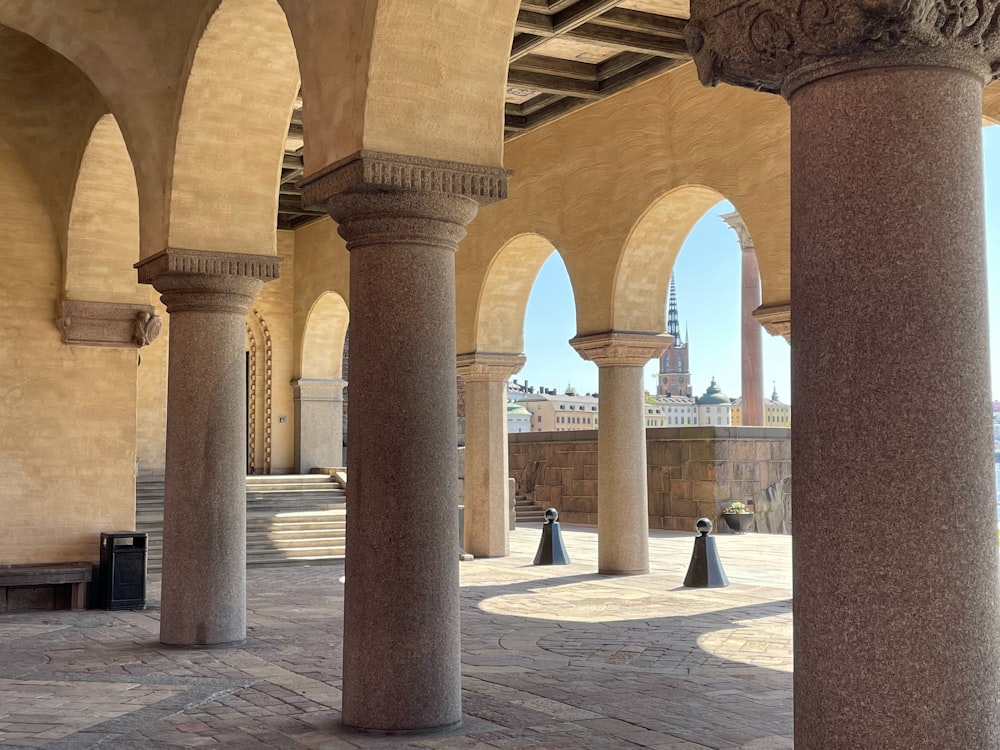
(705, 570)
(551, 550)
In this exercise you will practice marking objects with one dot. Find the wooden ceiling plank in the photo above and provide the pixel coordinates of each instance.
(620, 63)
(631, 40)
(580, 12)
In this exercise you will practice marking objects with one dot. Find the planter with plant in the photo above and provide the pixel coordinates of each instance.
(738, 517)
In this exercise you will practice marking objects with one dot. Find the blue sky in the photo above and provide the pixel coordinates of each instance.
(708, 288)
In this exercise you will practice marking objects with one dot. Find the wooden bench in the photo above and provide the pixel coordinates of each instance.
(68, 582)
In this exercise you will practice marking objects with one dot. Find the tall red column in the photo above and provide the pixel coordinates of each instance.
(751, 358)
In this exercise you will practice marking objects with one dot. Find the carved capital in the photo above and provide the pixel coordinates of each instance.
(117, 324)
(197, 280)
(621, 348)
(779, 45)
(494, 367)
(368, 171)
(776, 319)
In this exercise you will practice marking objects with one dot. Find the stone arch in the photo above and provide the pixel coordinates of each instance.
(639, 294)
(503, 297)
(234, 121)
(102, 242)
(323, 337)
(368, 67)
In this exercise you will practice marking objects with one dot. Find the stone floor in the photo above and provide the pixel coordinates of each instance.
(554, 657)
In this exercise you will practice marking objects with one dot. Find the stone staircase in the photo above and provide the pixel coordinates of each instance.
(527, 511)
(292, 519)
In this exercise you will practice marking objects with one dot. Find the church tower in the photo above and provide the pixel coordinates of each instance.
(675, 378)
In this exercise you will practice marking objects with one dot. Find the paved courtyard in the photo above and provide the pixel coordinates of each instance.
(553, 657)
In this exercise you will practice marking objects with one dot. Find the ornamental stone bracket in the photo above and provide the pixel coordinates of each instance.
(621, 348)
(122, 325)
(489, 366)
(776, 319)
(371, 171)
(779, 45)
(736, 223)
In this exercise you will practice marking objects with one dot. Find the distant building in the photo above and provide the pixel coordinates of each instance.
(552, 412)
(776, 413)
(675, 376)
(518, 418)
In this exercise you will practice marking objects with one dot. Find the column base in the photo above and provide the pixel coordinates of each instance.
(642, 572)
(206, 646)
(400, 732)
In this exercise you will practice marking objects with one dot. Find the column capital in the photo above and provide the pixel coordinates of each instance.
(776, 319)
(621, 348)
(736, 223)
(196, 280)
(379, 198)
(490, 366)
(779, 45)
(318, 389)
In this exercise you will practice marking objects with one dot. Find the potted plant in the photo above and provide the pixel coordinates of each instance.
(738, 516)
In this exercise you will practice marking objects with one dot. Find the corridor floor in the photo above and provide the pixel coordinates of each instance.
(553, 657)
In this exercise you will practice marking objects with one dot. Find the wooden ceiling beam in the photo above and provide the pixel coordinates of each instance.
(619, 64)
(532, 105)
(556, 66)
(651, 67)
(533, 23)
(554, 84)
(649, 23)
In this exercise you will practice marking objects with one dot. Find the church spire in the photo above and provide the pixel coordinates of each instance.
(673, 322)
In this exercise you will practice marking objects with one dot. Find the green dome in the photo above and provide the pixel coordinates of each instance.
(713, 395)
(515, 408)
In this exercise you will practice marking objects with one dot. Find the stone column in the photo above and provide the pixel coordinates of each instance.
(622, 503)
(487, 512)
(895, 549)
(752, 360)
(319, 422)
(402, 219)
(207, 295)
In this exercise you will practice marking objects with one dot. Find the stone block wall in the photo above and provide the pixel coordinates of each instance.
(692, 472)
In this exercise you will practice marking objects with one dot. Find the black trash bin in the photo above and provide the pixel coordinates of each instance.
(123, 570)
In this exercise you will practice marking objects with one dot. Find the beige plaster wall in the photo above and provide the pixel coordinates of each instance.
(137, 56)
(67, 414)
(322, 264)
(48, 109)
(585, 181)
(323, 338)
(371, 70)
(151, 397)
(232, 131)
(274, 304)
(103, 238)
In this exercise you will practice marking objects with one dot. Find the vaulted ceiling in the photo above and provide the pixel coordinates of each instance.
(565, 54)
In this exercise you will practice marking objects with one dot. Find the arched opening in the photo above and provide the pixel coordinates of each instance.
(319, 393)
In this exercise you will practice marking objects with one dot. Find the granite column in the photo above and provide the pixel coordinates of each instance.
(207, 295)
(402, 219)
(319, 422)
(622, 503)
(896, 593)
(487, 500)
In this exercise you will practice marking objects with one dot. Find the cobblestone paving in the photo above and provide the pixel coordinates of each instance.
(553, 657)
